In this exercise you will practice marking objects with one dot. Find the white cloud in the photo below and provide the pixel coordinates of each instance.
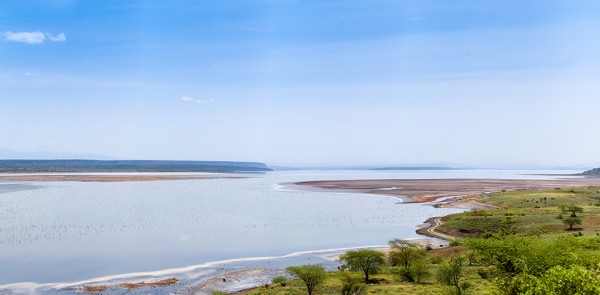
(205, 101)
(25, 37)
(58, 38)
(34, 37)
(202, 101)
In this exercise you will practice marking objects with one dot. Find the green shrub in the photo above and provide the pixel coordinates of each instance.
(484, 274)
(454, 243)
(560, 280)
(279, 281)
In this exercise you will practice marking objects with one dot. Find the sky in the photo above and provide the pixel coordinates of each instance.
(377, 82)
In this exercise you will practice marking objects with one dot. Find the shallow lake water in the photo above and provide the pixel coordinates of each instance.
(69, 231)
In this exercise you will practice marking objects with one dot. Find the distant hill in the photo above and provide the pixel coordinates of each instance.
(36, 166)
(593, 172)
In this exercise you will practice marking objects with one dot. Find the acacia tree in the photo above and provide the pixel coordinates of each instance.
(312, 275)
(419, 270)
(365, 260)
(403, 253)
(574, 210)
(571, 221)
(450, 273)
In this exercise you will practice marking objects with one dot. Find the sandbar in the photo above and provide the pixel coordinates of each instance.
(429, 190)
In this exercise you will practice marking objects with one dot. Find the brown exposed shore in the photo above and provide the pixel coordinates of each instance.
(427, 190)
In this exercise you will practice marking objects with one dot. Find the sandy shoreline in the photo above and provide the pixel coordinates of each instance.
(429, 190)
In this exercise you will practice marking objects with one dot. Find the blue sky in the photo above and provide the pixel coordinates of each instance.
(304, 82)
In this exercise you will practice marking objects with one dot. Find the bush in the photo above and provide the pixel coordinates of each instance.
(560, 280)
(403, 274)
(279, 280)
(517, 259)
(435, 259)
(454, 242)
(352, 285)
(484, 274)
(419, 270)
(450, 274)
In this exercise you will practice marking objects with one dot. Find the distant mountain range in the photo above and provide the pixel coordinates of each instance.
(36, 166)
(592, 172)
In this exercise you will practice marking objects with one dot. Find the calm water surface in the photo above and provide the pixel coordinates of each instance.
(67, 231)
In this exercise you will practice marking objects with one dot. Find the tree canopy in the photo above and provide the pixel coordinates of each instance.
(312, 275)
(403, 253)
(450, 273)
(571, 221)
(365, 260)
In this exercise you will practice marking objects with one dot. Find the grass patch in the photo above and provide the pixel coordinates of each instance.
(387, 283)
(528, 212)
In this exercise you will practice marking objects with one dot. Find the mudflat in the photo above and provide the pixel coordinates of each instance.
(427, 190)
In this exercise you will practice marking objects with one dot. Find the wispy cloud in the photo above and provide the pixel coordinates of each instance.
(205, 100)
(33, 37)
(58, 38)
(187, 98)
(191, 99)
(25, 37)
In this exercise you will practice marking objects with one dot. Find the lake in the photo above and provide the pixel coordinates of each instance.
(70, 231)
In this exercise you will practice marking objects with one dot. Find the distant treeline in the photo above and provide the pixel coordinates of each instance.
(594, 172)
(33, 166)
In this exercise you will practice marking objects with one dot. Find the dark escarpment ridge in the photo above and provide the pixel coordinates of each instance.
(46, 166)
(592, 172)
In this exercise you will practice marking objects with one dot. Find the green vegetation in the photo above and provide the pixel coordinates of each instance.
(527, 245)
(409, 260)
(539, 213)
(312, 275)
(451, 273)
(560, 280)
(571, 221)
(389, 278)
(279, 281)
(365, 260)
(351, 285)
(385, 282)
